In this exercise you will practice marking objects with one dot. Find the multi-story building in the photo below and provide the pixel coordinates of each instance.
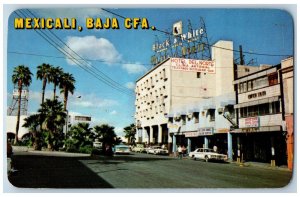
(163, 93)
(261, 132)
(75, 119)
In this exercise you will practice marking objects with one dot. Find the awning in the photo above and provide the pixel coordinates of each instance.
(257, 129)
(257, 102)
(229, 102)
(206, 107)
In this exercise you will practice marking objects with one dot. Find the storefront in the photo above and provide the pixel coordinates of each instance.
(263, 144)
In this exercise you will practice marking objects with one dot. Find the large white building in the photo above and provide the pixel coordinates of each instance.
(170, 92)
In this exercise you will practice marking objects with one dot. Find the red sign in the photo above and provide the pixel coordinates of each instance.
(252, 122)
(193, 65)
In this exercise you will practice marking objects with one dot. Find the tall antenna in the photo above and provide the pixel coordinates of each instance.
(13, 108)
(205, 48)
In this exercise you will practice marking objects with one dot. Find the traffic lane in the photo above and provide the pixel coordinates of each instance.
(153, 171)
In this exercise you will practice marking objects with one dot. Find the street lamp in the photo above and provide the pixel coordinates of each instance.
(67, 119)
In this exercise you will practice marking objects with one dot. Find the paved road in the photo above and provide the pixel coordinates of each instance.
(138, 171)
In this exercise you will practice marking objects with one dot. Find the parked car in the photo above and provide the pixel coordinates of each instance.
(157, 150)
(207, 154)
(122, 149)
(140, 148)
(97, 145)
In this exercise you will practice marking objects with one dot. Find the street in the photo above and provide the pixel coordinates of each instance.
(138, 170)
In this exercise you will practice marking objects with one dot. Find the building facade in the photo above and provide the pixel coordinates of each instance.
(260, 107)
(167, 99)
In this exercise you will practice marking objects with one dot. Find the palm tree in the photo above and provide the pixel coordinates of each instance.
(130, 133)
(21, 77)
(53, 120)
(106, 134)
(67, 85)
(32, 123)
(80, 136)
(55, 78)
(43, 73)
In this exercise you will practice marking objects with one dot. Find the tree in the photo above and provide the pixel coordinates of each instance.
(55, 78)
(80, 138)
(53, 119)
(106, 134)
(67, 85)
(33, 123)
(130, 133)
(21, 77)
(43, 73)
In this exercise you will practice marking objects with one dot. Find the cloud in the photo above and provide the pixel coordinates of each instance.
(92, 48)
(114, 112)
(130, 85)
(119, 131)
(37, 95)
(91, 101)
(134, 68)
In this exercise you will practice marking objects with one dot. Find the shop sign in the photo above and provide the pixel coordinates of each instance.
(252, 122)
(173, 126)
(223, 130)
(200, 132)
(250, 130)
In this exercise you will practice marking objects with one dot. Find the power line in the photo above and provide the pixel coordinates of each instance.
(61, 57)
(75, 60)
(102, 75)
(247, 52)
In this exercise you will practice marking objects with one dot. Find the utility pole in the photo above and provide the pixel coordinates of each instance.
(242, 62)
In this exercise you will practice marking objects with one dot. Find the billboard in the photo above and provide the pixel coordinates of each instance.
(192, 65)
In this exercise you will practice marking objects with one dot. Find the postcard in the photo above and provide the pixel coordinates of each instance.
(149, 98)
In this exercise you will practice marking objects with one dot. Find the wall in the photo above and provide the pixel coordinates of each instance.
(11, 122)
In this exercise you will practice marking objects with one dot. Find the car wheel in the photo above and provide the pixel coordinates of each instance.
(193, 157)
(206, 158)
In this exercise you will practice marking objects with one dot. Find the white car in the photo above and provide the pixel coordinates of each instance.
(207, 154)
(139, 148)
(157, 150)
(122, 149)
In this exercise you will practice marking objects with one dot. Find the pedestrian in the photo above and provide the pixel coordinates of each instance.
(183, 150)
(179, 150)
(215, 148)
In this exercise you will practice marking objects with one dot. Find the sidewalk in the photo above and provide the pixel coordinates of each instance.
(19, 150)
(260, 165)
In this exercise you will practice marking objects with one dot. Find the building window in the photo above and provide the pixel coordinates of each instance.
(250, 85)
(211, 113)
(196, 115)
(198, 74)
(273, 79)
(83, 118)
(183, 117)
(275, 107)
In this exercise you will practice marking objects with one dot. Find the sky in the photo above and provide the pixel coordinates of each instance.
(123, 55)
